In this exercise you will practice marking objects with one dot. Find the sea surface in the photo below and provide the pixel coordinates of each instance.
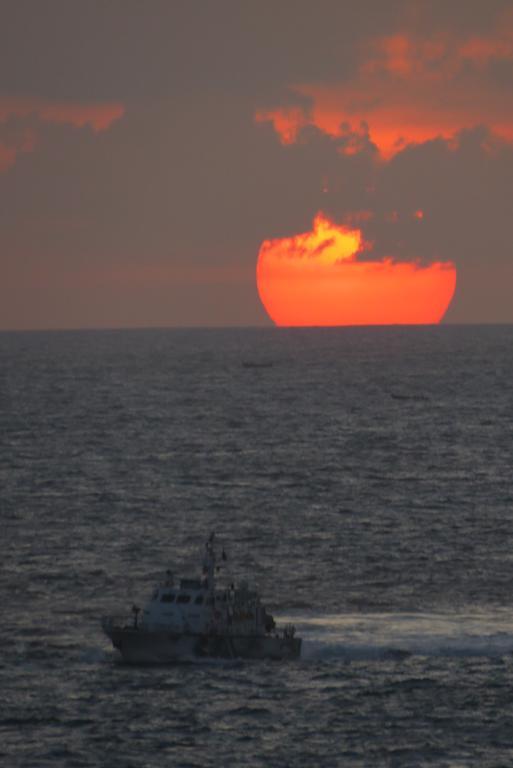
(361, 477)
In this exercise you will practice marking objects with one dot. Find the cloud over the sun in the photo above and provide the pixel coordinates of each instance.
(409, 88)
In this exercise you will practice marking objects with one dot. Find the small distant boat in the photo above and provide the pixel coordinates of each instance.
(399, 396)
(194, 618)
(257, 364)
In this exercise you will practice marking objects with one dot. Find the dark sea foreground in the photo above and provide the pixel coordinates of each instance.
(363, 481)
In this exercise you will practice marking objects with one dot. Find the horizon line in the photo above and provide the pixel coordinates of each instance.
(227, 327)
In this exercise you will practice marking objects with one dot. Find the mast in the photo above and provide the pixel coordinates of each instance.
(209, 565)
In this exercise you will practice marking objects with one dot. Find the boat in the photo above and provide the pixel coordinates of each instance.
(257, 364)
(195, 618)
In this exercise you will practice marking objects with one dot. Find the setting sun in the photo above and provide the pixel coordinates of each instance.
(316, 278)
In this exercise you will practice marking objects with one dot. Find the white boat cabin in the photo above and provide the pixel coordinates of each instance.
(196, 606)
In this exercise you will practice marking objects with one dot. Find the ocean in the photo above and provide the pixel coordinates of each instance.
(360, 477)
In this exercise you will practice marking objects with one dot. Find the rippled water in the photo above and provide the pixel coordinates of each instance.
(362, 478)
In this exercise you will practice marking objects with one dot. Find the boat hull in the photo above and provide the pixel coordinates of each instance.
(140, 646)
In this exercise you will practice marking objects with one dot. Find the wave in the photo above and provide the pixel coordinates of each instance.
(354, 637)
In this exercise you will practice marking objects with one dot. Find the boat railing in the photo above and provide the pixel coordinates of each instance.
(289, 631)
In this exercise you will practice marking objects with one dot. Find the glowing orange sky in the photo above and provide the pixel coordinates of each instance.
(408, 90)
(136, 191)
(315, 278)
(98, 116)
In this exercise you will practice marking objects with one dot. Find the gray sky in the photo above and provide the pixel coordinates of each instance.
(142, 164)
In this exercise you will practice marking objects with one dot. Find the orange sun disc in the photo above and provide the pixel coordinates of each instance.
(315, 278)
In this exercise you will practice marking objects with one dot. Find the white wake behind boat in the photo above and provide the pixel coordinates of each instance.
(195, 618)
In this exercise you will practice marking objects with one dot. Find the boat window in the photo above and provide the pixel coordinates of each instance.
(167, 598)
(199, 600)
(183, 598)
